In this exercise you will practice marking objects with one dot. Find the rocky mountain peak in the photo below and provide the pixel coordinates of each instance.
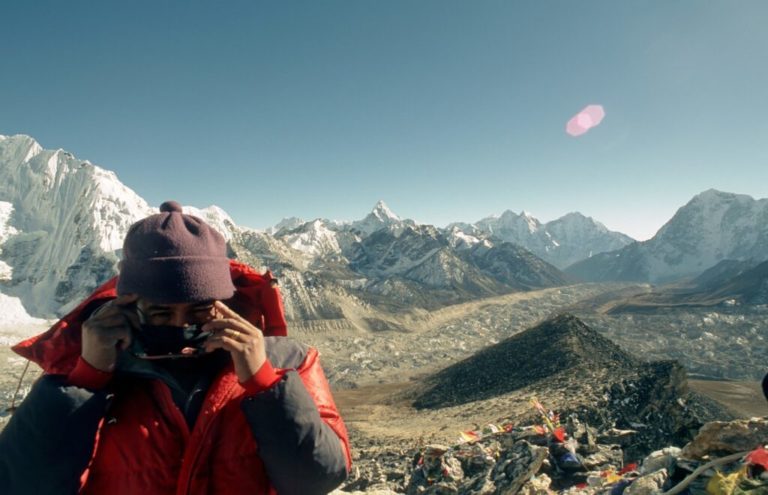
(524, 221)
(563, 344)
(576, 218)
(285, 225)
(711, 227)
(383, 213)
(379, 218)
(714, 195)
(561, 242)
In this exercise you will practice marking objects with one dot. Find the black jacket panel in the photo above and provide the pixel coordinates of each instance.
(302, 454)
(49, 440)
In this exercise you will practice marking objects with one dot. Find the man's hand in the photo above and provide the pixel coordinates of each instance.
(244, 341)
(108, 330)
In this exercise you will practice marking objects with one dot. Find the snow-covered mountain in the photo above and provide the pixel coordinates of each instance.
(381, 217)
(68, 218)
(711, 227)
(62, 222)
(561, 242)
(579, 237)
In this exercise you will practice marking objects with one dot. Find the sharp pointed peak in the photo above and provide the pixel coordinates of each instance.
(382, 211)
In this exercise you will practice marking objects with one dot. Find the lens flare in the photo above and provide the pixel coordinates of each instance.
(585, 120)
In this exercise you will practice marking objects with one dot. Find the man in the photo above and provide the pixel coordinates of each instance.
(166, 389)
(765, 386)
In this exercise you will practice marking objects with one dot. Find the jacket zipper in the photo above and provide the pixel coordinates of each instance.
(207, 420)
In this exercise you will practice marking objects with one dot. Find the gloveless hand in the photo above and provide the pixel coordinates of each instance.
(108, 330)
(237, 335)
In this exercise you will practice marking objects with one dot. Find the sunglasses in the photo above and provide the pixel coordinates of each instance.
(154, 342)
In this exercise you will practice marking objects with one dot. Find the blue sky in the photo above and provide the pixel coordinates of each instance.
(448, 111)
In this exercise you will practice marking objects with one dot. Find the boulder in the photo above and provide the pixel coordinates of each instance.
(648, 484)
(720, 438)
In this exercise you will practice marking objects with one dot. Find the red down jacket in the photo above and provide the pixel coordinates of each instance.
(133, 439)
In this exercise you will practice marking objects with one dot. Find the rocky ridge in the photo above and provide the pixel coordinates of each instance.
(628, 407)
(561, 344)
(561, 242)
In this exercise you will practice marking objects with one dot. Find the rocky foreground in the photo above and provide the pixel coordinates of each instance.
(621, 421)
(724, 458)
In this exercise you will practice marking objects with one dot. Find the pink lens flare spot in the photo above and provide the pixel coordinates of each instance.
(586, 119)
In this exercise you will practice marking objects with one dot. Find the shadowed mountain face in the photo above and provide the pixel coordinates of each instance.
(513, 265)
(729, 282)
(749, 286)
(713, 278)
(562, 344)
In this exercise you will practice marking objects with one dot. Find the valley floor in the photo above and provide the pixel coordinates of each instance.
(372, 372)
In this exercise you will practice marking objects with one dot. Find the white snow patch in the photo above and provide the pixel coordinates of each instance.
(314, 239)
(34, 150)
(382, 211)
(16, 322)
(215, 217)
(6, 230)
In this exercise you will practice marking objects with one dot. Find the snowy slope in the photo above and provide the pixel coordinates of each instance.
(6, 231)
(561, 242)
(579, 237)
(711, 227)
(380, 217)
(68, 218)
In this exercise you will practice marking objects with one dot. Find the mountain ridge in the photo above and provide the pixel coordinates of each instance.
(65, 219)
(712, 226)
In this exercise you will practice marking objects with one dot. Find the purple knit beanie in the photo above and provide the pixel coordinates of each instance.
(173, 258)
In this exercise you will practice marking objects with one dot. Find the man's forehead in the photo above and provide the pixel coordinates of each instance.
(147, 304)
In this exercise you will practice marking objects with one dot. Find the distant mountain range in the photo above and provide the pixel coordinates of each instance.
(62, 221)
(712, 227)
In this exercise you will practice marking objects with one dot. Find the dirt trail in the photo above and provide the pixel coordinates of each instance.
(744, 399)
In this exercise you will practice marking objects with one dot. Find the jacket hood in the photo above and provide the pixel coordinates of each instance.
(56, 350)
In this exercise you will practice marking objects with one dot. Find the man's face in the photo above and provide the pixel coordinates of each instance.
(177, 315)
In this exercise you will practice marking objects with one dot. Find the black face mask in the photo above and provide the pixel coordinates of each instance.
(168, 342)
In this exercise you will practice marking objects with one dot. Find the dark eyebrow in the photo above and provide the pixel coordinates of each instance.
(203, 304)
(155, 307)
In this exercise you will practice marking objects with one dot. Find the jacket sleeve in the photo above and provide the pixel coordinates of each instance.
(301, 437)
(48, 442)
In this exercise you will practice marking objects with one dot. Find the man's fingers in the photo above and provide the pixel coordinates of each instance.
(125, 342)
(125, 299)
(239, 325)
(131, 317)
(108, 337)
(227, 312)
(118, 330)
(111, 307)
(222, 342)
(106, 320)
